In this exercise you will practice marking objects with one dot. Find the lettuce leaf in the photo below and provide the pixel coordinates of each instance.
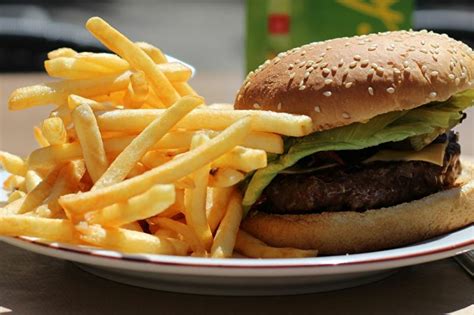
(417, 125)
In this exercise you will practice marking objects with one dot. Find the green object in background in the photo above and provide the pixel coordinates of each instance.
(278, 25)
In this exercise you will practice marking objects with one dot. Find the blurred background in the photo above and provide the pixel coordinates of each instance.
(222, 39)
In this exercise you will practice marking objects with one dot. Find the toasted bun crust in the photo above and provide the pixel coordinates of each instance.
(346, 80)
(352, 232)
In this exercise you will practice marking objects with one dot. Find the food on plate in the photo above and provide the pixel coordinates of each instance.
(382, 166)
(132, 160)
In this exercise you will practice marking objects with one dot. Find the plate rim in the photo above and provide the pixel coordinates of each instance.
(245, 263)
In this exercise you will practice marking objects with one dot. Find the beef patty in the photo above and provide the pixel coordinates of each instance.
(359, 187)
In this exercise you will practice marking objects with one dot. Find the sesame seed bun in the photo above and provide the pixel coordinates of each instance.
(352, 232)
(346, 80)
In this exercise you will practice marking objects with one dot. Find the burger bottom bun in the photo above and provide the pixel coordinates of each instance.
(353, 232)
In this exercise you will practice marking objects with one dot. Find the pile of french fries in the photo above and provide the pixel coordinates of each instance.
(133, 160)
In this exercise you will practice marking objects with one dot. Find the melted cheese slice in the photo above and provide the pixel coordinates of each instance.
(433, 153)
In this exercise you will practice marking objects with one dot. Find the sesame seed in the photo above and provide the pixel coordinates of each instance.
(291, 66)
(328, 48)
(334, 69)
(457, 81)
(309, 63)
(422, 50)
(380, 69)
(451, 76)
(353, 64)
(434, 73)
(364, 63)
(322, 54)
(463, 75)
(256, 105)
(323, 65)
(276, 60)
(303, 53)
(361, 42)
(372, 48)
(239, 97)
(346, 44)
(371, 72)
(310, 69)
(328, 81)
(433, 94)
(247, 84)
(357, 57)
(390, 90)
(302, 87)
(424, 68)
(412, 48)
(374, 65)
(281, 55)
(292, 75)
(435, 45)
(341, 63)
(390, 48)
(348, 85)
(302, 63)
(396, 71)
(405, 64)
(371, 90)
(306, 75)
(317, 109)
(346, 115)
(327, 93)
(434, 58)
(326, 71)
(279, 106)
(423, 42)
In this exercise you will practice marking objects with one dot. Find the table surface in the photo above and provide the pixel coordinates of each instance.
(35, 284)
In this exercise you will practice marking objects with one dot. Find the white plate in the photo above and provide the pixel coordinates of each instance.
(240, 276)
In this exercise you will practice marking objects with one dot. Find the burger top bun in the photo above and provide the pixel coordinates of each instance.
(346, 80)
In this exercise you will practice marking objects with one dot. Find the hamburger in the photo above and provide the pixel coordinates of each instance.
(382, 166)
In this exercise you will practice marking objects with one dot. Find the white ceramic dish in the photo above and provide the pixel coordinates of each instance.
(240, 276)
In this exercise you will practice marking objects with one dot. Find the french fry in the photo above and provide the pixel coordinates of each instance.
(176, 208)
(140, 207)
(57, 230)
(54, 131)
(124, 163)
(39, 193)
(133, 226)
(136, 120)
(195, 199)
(138, 169)
(13, 207)
(76, 100)
(71, 68)
(90, 141)
(136, 57)
(67, 182)
(225, 177)
(57, 92)
(243, 159)
(39, 137)
(183, 88)
(226, 234)
(32, 179)
(249, 246)
(13, 164)
(156, 158)
(153, 52)
(62, 112)
(128, 241)
(112, 63)
(137, 91)
(62, 52)
(160, 232)
(219, 199)
(189, 236)
(158, 57)
(221, 106)
(167, 173)
(14, 182)
(17, 194)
